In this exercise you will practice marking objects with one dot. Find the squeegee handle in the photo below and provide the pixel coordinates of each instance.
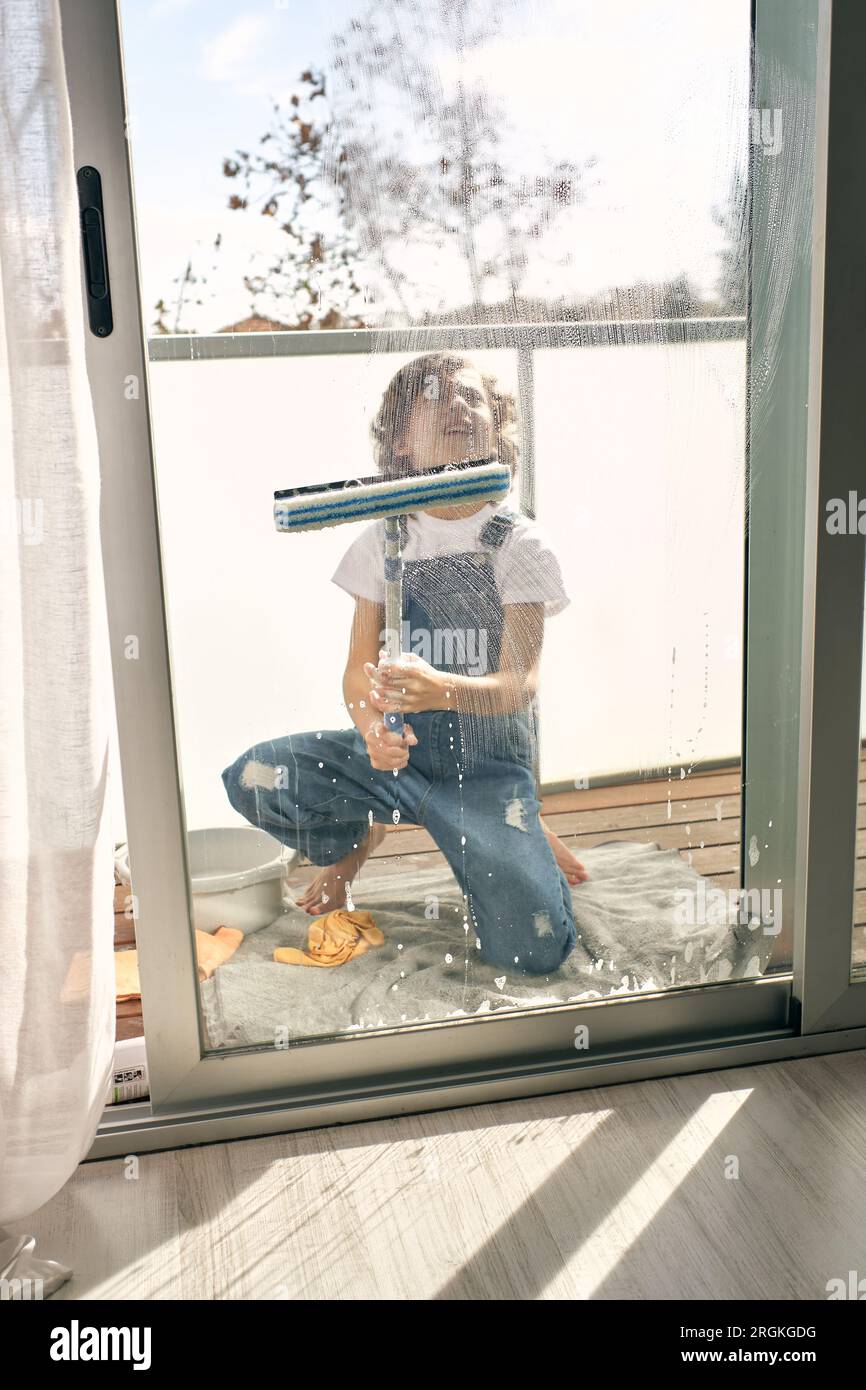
(393, 720)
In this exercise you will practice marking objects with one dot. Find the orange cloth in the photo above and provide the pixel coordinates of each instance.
(333, 939)
(211, 951)
(214, 948)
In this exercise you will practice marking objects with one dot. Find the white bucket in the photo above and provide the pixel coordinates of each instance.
(237, 874)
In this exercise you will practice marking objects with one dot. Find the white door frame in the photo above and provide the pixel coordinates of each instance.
(197, 1096)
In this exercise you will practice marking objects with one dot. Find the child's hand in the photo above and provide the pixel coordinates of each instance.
(408, 684)
(389, 751)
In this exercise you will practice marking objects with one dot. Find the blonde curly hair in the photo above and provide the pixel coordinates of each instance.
(408, 385)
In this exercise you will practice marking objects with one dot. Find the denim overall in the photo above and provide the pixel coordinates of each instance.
(452, 601)
(469, 780)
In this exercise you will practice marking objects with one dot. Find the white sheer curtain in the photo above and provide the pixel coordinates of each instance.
(56, 855)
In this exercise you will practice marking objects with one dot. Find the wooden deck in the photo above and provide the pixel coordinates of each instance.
(704, 810)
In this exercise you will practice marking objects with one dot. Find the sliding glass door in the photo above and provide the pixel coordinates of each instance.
(577, 239)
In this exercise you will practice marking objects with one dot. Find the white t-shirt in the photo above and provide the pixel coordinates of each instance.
(525, 567)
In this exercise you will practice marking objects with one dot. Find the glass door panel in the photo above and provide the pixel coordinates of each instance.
(323, 200)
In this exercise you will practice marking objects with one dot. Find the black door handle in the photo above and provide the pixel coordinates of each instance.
(95, 253)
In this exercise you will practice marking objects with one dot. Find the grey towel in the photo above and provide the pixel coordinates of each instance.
(632, 936)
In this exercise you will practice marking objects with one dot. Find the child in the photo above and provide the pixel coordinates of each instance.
(478, 583)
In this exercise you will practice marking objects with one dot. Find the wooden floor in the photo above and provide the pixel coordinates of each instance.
(738, 1184)
(703, 824)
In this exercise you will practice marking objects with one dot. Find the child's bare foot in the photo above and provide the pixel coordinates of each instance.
(328, 889)
(568, 862)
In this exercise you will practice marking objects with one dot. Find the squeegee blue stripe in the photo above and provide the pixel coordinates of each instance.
(342, 508)
(344, 501)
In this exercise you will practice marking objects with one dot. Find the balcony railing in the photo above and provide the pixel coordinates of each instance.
(522, 338)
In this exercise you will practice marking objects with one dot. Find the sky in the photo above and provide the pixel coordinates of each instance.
(656, 93)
